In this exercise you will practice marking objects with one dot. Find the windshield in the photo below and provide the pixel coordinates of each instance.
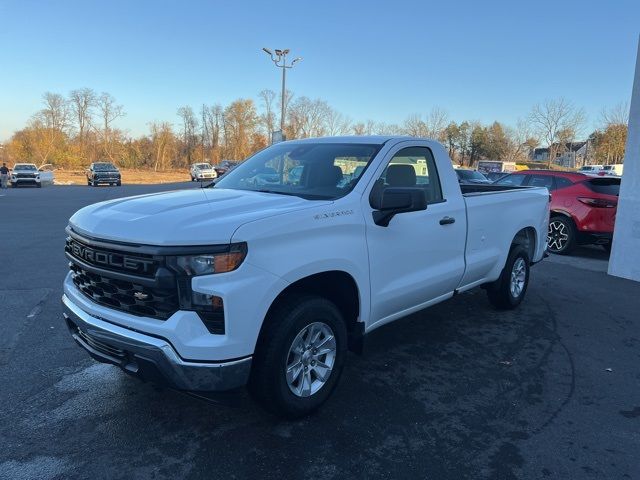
(470, 175)
(25, 166)
(203, 166)
(103, 167)
(309, 170)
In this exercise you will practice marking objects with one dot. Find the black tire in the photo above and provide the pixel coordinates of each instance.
(39, 185)
(500, 292)
(14, 185)
(607, 248)
(118, 183)
(267, 383)
(561, 237)
(89, 183)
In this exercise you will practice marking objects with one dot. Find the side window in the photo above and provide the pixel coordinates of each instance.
(562, 182)
(514, 179)
(541, 181)
(413, 167)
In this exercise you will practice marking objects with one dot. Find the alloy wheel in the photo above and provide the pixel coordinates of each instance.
(310, 360)
(518, 277)
(558, 235)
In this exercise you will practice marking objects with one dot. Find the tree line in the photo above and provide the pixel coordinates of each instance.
(73, 130)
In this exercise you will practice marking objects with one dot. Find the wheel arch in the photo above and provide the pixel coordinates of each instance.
(337, 286)
(527, 238)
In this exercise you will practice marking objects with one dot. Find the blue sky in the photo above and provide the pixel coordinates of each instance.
(478, 60)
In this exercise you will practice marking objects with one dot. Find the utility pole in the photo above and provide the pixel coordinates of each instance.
(279, 58)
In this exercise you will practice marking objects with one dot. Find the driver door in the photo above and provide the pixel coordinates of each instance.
(419, 256)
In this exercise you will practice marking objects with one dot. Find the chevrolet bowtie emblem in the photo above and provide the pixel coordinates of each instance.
(141, 296)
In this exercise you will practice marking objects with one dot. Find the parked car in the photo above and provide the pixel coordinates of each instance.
(225, 166)
(276, 286)
(615, 170)
(590, 169)
(202, 171)
(583, 207)
(103, 172)
(25, 174)
(470, 177)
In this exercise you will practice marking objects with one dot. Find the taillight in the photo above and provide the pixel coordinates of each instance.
(598, 202)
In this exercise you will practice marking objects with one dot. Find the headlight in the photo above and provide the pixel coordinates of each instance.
(208, 263)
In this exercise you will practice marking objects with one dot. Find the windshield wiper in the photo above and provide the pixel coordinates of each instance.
(277, 192)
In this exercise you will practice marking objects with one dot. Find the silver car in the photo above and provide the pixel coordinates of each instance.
(202, 171)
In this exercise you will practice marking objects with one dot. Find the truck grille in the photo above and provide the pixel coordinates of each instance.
(110, 259)
(125, 295)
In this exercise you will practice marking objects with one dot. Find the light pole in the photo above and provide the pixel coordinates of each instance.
(279, 59)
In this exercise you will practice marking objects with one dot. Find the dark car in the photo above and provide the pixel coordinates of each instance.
(470, 177)
(103, 172)
(583, 208)
(225, 166)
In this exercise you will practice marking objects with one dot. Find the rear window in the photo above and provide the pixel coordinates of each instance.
(607, 186)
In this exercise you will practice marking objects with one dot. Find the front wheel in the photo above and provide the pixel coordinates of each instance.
(300, 356)
(509, 290)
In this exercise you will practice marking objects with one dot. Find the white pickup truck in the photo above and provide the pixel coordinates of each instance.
(269, 283)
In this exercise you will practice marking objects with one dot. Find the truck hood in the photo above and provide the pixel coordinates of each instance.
(183, 217)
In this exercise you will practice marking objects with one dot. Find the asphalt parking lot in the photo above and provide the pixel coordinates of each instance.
(551, 390)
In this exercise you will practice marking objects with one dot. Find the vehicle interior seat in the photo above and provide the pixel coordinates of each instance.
(320, 175)
(402, 175)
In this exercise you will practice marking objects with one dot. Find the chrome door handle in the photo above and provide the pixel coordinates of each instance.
(447, 220)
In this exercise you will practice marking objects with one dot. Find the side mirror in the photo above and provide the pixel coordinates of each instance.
(393, 200)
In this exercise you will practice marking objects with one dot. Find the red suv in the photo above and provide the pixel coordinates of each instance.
(583, 208)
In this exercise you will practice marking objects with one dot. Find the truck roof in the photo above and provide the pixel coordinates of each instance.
(367, 139)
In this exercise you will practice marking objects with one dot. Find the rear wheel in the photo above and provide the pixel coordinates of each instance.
(39, 185)
(300, 356)
(509, 290)
(561, 238)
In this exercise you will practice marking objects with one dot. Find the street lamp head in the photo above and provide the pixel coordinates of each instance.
(278, 52)
(296, 60)
(286, 52)
(268, 51)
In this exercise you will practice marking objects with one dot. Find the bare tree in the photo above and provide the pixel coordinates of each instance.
(108, 111)
(521, 142)
(82, 102)
(268, 117)
(616, 115)
(436, 123)
(55, 114)
(553, 119)
(337, 123)
(163, 141)
(189, 127)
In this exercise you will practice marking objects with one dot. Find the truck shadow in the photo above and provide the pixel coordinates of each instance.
(440, 394)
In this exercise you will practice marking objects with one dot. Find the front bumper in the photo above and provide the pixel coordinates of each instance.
(98, 180)
(150, 358)
(25, 181)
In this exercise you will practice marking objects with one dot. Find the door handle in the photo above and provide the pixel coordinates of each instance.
(447, 220)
